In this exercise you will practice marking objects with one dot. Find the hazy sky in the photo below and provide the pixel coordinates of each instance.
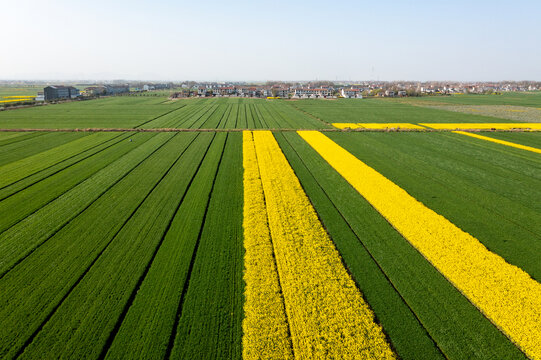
(272, 40)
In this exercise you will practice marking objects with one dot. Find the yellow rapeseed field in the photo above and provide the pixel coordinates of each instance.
(265, 328)
(507, 296)
(327, 315)
(389, 126)
(345, 125)
(498, 141)
(377, 126)
(14, 100)
(19, 97)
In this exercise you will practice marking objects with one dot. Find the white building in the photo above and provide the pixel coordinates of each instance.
(351, 93)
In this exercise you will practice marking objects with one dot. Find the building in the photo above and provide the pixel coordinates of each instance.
(116, 89)
(95, 90)
(306, 93)
(55, 92)
(351, 93)
(282, 92)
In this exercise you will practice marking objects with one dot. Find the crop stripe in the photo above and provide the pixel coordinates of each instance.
(328, 317)
(265, 327)
(504, 293)
(498, 141)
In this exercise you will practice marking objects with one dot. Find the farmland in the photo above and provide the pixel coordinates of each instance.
(235, 228)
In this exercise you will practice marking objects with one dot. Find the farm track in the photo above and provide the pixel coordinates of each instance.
(196, 129)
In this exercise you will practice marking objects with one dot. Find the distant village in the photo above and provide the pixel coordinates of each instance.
(284, 90)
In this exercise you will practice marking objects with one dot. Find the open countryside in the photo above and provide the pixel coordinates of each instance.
(153, 227)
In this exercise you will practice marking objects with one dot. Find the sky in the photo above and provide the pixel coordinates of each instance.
(473, 40)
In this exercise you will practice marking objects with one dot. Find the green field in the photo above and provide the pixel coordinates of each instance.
(159, 112)
(383, 111)
(531, 99)
(130, 244)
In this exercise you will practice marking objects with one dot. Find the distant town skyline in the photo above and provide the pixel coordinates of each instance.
(168, 40)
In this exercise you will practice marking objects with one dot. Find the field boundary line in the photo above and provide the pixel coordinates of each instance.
(94, 130)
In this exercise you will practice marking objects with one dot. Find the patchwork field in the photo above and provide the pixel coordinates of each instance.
(254, 229)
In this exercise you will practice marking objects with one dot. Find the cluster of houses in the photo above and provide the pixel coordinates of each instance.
(276, 91)
(305, 90)
(61, 92)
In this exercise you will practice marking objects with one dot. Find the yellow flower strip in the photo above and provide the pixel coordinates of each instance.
(346, 125)
(12, 101)
(507, 296)
(265, 328)
(390, 126)
(328, 318)
(498, 141)
(483, 126)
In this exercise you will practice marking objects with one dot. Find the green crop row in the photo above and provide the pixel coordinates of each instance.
(211, 313)
(523, 138)
(7, 138)
(81, 324)
(145, 331)
(21, 149)
(22, 168)
(53, 169)
(35, 296)
(22, 203)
